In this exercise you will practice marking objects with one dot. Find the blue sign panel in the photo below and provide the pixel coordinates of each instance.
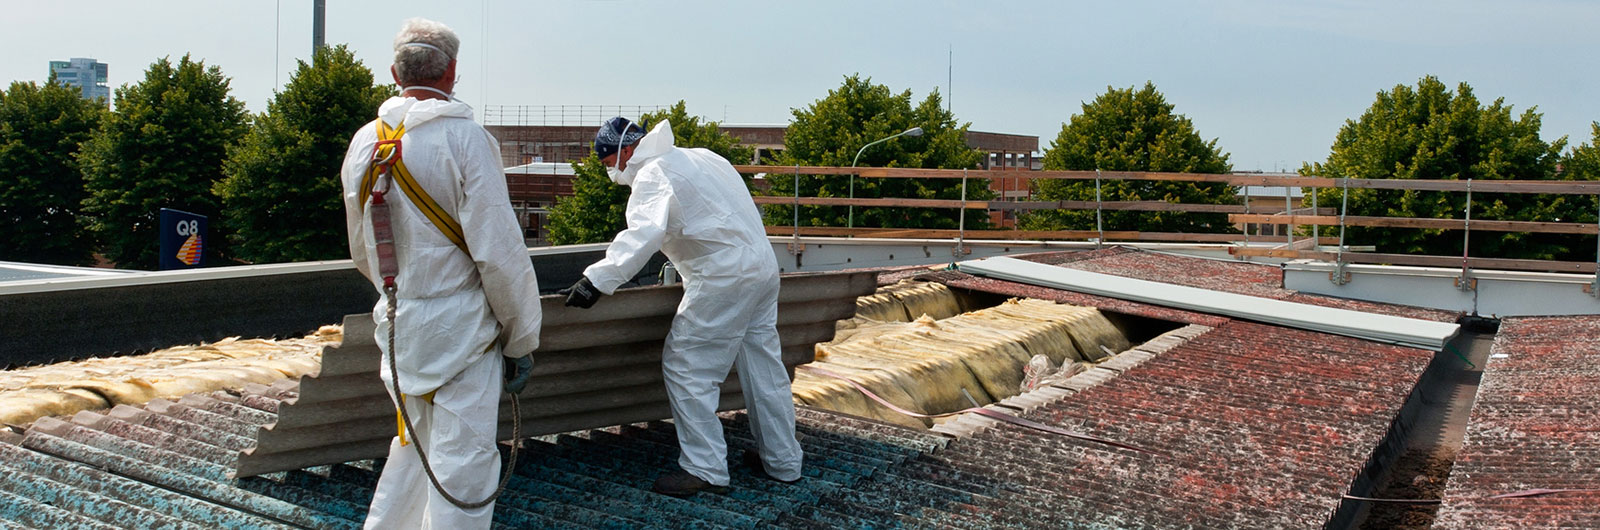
(183, 240)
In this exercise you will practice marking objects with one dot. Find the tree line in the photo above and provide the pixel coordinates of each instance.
(79, 181)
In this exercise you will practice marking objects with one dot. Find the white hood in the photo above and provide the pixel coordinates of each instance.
(414, 112)
(658, 142)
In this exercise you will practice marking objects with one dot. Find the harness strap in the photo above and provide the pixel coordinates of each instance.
(400, 421)
(389, 142)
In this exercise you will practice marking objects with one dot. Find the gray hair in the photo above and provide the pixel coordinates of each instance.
(418, 64)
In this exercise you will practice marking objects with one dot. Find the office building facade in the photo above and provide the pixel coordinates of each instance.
(87, 75)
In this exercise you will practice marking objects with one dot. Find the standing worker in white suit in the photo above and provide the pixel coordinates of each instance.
(465, 311)
(691, 205)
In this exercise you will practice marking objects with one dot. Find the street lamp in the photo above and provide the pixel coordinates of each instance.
(914, 131)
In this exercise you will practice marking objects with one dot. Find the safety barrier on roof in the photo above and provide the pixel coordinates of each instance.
(594, 368)
(1382, 328)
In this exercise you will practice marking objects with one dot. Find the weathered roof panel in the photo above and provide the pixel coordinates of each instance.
(1535, 425)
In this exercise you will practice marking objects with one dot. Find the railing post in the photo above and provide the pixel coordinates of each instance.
(1339, 277)
(850, 217)
(1465, 281)
(1594, 285)
(1288, 208)
(1246, 225)
(1316, 230)
(961, 234)
(794, 246)
(1099, 225)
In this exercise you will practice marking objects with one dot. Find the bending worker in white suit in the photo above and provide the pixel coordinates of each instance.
(693, 206)
(464, 293)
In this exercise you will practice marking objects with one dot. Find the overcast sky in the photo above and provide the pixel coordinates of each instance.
(1271, 80)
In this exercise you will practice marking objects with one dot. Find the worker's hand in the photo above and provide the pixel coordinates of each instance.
(518, 370)
(582, 294)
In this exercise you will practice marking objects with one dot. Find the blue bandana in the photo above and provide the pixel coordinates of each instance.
(615, 134)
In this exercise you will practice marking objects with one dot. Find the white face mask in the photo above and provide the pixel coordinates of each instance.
(614, 171)
(447, 95)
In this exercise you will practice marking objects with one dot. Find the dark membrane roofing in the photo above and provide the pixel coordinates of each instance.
(1535, 425)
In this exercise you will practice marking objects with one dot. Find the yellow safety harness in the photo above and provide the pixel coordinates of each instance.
(389, 144)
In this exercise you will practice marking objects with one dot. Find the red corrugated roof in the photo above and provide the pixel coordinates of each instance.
(1536, 424)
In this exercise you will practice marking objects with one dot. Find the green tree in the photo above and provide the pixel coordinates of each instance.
(1580, 163)
(831, 130)
(1430, 133)
(281, 195)
(596, 210)
(163, 147)
(1133, 130)
(1583, 161)
(41, 190)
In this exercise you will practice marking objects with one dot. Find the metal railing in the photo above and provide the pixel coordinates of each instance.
(1292, 217)
(544, 115)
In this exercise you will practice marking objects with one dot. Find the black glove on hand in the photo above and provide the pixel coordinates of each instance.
(583, 294)
(518, 371)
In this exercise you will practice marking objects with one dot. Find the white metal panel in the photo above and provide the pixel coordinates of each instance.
(1497, 294)
(1382, 328)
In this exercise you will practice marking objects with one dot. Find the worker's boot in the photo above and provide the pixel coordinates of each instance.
(752, 460)
(683, 484)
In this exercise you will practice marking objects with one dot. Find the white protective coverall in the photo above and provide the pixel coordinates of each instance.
(693, 206)
(457, 313)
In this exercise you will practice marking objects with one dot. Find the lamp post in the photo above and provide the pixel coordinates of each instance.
(914, 131)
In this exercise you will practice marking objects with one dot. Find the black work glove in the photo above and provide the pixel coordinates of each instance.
(518, 370)
(582, 295)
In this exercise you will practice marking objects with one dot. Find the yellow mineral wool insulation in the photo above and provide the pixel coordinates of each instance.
(1043, 331)
(1088, 328)
(926, 298)
(881, 307)
(65, 388)
(925, 364)
(908, 300)
(18, 407)
(1097, 338)
(995, 364)
(909, 375)
(856, 329)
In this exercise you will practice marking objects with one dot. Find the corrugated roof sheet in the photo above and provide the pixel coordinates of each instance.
(594, 368)
(1259, 426)
(166, 465)
(1536, 424)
